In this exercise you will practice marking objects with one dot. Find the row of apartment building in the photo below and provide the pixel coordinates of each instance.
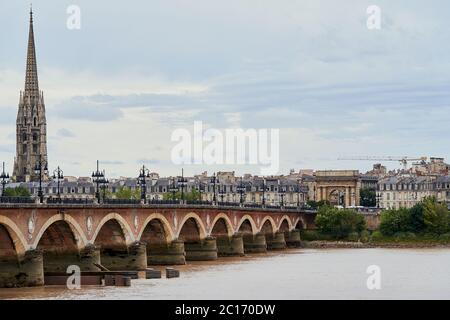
(295, 189)
(289, 191)
(405, 191)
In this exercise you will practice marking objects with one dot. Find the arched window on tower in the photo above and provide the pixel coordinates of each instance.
(35, 121)
(35, 136)
(24, 137)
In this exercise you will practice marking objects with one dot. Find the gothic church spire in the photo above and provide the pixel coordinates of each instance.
(31, 76)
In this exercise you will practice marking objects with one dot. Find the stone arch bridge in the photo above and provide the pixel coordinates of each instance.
(35, 239)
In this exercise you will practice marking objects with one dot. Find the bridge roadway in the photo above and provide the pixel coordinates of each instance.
(39, 238)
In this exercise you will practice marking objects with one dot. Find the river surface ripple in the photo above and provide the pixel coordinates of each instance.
(290, 274)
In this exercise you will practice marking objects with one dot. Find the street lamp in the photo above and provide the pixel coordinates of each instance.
(182, 183)
(40, 168)
(173, 189)
(58, 175)
(5, 179)
(105, 183)
(241, 190)
(281, 193)
(264, 193)
(99, 178)
(202, 190)
(143, 174)
(214, 180)
(222, 193)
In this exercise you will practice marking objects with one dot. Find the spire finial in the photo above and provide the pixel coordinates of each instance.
(31, 78)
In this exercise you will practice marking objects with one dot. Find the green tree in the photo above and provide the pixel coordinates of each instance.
(368, 197)
(17, 192)
(126, 193)
(317, 204)
(416, 223)
(435, 216)
(339, 223)
(393, 221)
(193, 195)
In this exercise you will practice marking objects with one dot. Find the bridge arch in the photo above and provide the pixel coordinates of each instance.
(75, 228)
(247, 219)
(285, 224)
(114, 237)
(124, 226)
(61, 240)
(299, 224)
(265, 225)
(189, 219)
(17, 238)
(165, 224)
(221, 225)
(12, 249)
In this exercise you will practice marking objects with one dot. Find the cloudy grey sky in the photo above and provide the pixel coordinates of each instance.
(137, 70)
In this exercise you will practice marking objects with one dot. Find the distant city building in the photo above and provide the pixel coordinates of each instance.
(405, 191)
(436, 166)
(377, 171)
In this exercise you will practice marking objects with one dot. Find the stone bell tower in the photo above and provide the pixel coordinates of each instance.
(31, 124)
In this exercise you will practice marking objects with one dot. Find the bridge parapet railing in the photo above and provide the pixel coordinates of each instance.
(198, 202)
(16, 200)
(253, 205)
(70, 201)
(228, 204)
(273, 207)
(8, 202)
(121, 201)
(163, 202)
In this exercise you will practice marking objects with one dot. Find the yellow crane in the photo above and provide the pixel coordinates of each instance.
(403, 160)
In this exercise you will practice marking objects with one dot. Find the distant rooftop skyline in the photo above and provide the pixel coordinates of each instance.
(117, 88)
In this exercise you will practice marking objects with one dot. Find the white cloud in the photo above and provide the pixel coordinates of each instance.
(129, 77)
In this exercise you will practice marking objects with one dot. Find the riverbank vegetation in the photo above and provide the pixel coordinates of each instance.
(427, 223)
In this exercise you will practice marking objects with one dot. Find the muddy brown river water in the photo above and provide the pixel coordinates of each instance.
(290, 274)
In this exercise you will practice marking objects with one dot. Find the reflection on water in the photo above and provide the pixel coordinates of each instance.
(291, 274)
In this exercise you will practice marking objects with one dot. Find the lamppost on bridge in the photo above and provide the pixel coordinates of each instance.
(222, 193)
(182, 183)
(104, 187)
(173, 188)
(143, 174)
(264, 193)
(5, 179)
(40, 168)
(241, 190)
(214, 181)
(281, 193)
(202, 189)
(99, 178)
(58, 175)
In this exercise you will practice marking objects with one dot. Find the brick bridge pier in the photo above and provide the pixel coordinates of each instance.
(48, 238)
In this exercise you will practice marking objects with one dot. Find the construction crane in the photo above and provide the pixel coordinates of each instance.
(403, 160)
